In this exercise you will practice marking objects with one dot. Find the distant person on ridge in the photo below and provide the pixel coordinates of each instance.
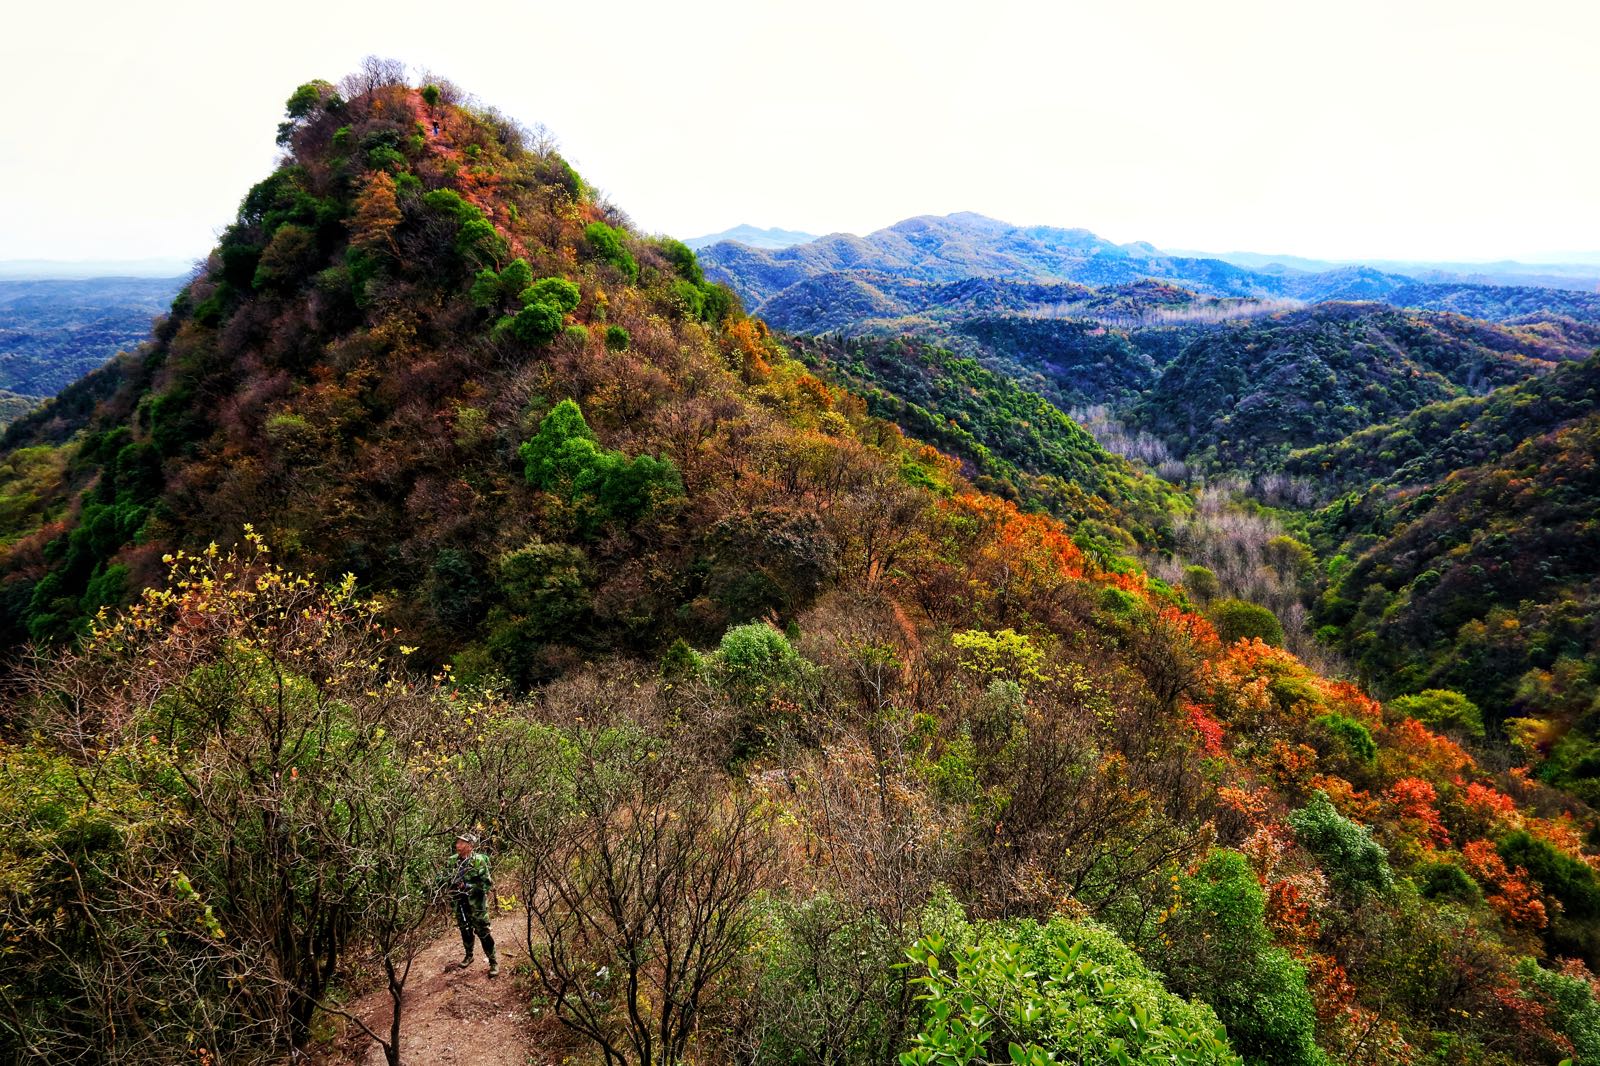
(469, 885)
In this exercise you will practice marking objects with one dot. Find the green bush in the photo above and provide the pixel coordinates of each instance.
(310, 96)
(1222, 951)
(1239, 620)
(287, 258)
(682, 258)
(1349, 855)
(546, 302)
(534, 324)
(831, 986)
(1062, 992)
(755, 661)
(606, 243)
(681, 662)
(1442, 709)
(690, 299)
(449, 202)
(491, 289)
(1567, 879)
(1120, 602)
(1201, 583)
(387, 158)
(1571, 1001)
(603, 485)
(617, 339)
(1352, 736)
(721, 303)
(480, 243)
(1446, 880)
(549, 585)
(557, 292)
(477, 241)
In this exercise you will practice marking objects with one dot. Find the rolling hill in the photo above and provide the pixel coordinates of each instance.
(1243, 396)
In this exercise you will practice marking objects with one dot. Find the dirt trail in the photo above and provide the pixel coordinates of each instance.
(454, 1017)
(913, 639)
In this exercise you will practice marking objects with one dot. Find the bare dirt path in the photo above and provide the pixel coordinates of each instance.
(454, 1017)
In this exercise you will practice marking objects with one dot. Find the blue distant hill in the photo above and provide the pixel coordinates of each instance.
(753, 237)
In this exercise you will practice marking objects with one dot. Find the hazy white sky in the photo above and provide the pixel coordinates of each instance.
(1402, 128)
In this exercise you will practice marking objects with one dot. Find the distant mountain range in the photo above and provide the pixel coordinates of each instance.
(965, 246)
(753, 237)
(1582, 272)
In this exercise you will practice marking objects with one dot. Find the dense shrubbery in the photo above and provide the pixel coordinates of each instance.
(1482, 584)
(600, 485)
(1222, 952)
(1349, 855)
(1062, 992)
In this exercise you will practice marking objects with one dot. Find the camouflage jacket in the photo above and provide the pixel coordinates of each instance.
(471, 875)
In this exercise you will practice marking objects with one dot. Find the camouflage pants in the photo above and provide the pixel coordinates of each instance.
(472, 917)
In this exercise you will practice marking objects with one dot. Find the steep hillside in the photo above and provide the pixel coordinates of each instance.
(1244, 396)
(1012, 442)
(795, 745)
(1483, 581)
(54, 332)
(14, 406)
(1071, 343)
(1465, 557)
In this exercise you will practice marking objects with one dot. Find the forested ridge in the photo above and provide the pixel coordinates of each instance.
(811, 698)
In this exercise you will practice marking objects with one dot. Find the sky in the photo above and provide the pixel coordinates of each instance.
(1404, 129)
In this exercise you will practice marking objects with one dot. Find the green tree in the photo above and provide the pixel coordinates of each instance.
(682, 258)
(1201, 583)
(557, 292)
(1222, 951)
(1036, 995)
(534, 324)
(1442, 709)
(564, 458)
(1240, 620)
(607, 243)
(229, 803)
(1352, 736)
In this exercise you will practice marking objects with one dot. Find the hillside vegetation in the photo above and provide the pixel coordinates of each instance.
(1011, 442)
(444, 499)
(1241, 398)
(1471, 565)
(1430, 443)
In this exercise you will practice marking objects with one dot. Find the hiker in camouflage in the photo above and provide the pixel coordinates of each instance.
(469, 884)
